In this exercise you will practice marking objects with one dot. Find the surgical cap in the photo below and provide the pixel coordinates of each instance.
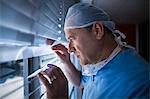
(82, 15)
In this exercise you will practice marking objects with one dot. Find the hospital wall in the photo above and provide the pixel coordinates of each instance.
(137, 35)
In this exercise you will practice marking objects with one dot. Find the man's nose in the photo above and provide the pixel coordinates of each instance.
(71, 48)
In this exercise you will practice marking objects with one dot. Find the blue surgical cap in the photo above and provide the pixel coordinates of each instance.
(81, 15)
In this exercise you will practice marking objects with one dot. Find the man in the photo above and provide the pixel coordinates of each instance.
(111, 68)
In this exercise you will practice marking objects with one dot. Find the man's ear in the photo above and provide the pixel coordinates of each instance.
(98, 30)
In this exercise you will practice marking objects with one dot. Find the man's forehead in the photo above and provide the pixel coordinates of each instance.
(71, 33)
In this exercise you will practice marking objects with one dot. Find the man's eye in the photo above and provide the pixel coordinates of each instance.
(70, 40)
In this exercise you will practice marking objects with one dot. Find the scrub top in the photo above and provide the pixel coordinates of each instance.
(125, 76)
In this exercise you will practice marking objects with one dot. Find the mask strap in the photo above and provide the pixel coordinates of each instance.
(118, 38)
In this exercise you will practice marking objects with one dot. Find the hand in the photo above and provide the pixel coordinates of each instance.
(58, 88)
(62, 52)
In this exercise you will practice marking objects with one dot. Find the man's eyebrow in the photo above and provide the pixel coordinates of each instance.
(71, 36)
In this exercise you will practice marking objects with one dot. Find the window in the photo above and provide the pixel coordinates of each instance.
(11, 80)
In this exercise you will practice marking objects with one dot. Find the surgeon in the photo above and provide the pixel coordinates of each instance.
(111, 69)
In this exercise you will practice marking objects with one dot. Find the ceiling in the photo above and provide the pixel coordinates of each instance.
(124, 11)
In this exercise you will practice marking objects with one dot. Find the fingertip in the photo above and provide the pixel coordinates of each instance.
(54, 47)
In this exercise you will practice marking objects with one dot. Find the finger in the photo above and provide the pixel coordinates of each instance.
(62, 56)
(46, 72)
(44, 81)
(60, 47)
(52, 72)
(49, 73)
(49, 76)
(58, 72)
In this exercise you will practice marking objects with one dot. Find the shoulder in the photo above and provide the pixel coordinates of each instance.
(130, 57)
(128, 62)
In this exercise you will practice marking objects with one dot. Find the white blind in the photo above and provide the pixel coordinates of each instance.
(37, 18)
(30, 23)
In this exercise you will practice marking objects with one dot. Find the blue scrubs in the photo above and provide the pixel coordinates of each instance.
(125, 76)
